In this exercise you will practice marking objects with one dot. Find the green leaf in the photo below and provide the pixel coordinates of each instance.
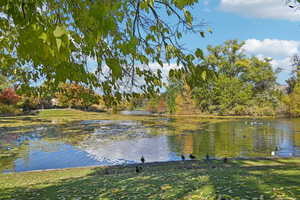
(179, 35)
(199, 53)
(160, 63)
(180, 4)
(202, 34)
(115, 66)
(43, 37)
(188, 17)
(203, 75)
(59, 31)
(58, 43)
(151, 2)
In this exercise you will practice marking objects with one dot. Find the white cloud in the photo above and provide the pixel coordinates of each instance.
(272, 9)
(284, 64)
(152, 67)
(280, 51)
(165, 69)
(272, 47)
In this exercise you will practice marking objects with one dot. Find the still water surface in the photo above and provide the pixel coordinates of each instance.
(109, 142)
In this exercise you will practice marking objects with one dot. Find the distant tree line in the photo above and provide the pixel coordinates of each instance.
(237, 85)
(67, 95)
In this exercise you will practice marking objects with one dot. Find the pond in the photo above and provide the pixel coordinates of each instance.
(110, 142)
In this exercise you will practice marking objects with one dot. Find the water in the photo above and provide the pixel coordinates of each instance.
(110, 142)
(135, 112)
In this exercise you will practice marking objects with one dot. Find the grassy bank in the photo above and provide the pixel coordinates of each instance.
(59, 116)
(240, 179)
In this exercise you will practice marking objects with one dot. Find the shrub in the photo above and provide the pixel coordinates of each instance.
(76, 96)
(152, 105)
(292, 102)
(9, 109)
(8, 96)
(28, 103)
(240, 110)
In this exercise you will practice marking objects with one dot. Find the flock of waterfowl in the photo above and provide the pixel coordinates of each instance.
(139, 168)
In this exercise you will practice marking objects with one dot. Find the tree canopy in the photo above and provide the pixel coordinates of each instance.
(295, 76)
(242, 85)
(53, 41)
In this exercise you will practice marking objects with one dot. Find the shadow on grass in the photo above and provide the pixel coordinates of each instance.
(189, 180)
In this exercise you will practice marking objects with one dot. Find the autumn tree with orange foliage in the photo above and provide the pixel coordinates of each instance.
(8, 96)
(76, 96)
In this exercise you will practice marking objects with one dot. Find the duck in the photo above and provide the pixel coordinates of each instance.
(274, 153)
(138, 169)
(192, 157)
(182, 157)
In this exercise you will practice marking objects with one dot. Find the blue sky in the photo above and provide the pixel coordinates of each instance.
(269, 27)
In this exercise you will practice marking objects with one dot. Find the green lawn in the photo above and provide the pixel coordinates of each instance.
(243, 179)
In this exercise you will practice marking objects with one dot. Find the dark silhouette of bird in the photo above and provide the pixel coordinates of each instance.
(143, 159)
(274, 153)
(225, 160)
(138, 169)
(207, 156)
(182, 157)
(192, 157)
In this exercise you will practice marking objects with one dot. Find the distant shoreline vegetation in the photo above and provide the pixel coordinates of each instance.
(52, 111)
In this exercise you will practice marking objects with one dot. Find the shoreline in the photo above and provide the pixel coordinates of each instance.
(35, 113)
(159, 164)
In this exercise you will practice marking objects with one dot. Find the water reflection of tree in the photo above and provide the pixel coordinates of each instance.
(234, 139)
(296, 129)
(9, 154)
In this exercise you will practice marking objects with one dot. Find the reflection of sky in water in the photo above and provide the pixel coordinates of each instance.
(285, 140)
(44, 155)
(111, 142)
(153, 149)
